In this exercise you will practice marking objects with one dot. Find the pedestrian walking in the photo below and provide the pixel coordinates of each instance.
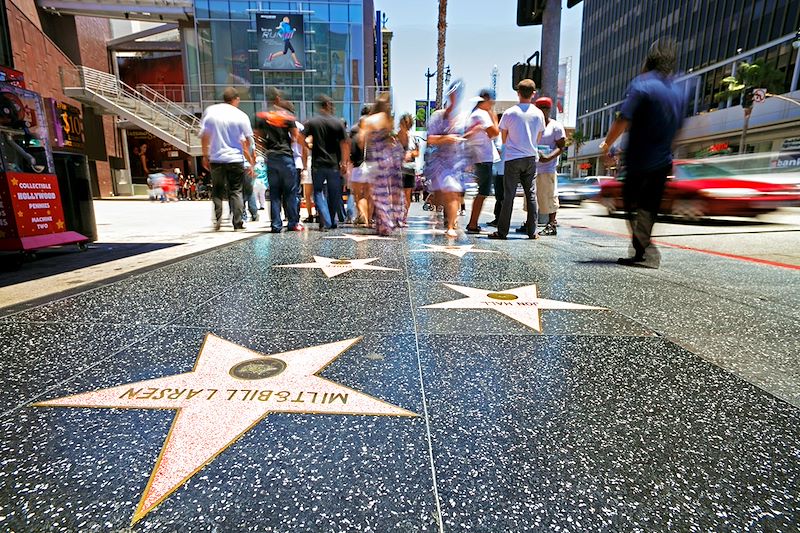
(652, 113)
(482, 127)
(330, 153)
(409, 169)
(551, 146)
(226, 137)
(383, 157)
(359, 175)
(275, 130)
(521, 127)
(447, 158)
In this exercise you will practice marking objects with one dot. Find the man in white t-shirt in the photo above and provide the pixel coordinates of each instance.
(521, 126)
(227, 140)
(482, 127)
(550, 148)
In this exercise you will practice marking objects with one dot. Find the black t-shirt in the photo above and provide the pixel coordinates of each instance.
(356, 152)
(327, 131)
(275, 129)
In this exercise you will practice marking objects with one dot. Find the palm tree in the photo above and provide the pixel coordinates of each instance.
(578, 139)
(440, 51)
(755, 74)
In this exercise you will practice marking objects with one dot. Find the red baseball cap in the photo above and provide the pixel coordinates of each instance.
(543, 102)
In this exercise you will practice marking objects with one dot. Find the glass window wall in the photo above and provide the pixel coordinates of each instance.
(227, 52)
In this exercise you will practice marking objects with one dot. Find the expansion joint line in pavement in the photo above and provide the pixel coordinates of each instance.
(429, 437)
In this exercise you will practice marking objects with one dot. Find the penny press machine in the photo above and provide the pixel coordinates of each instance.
(31, 212)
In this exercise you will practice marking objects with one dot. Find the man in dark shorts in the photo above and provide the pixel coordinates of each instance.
(330, 152)
(652, 113)
(482, 127)
(275, 130)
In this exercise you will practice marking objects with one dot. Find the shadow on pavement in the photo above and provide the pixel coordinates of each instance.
(17, 268)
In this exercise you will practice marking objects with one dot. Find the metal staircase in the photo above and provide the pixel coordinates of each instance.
(144, 107)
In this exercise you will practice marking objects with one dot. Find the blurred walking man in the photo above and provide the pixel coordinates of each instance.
(652, 113)
(522, 126)
(276, 130)
(227, 140)
(330, 152)
(551, 145)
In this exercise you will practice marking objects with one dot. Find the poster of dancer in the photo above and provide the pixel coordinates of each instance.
(281, 41)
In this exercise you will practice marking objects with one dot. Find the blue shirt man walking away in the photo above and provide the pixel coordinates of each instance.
(652, 113)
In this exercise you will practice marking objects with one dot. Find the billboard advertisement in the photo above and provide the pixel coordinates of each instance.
(281, 41)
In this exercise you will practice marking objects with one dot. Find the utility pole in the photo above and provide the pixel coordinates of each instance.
(551, 40)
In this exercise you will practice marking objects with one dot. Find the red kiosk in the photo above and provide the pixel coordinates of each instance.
(31, 213)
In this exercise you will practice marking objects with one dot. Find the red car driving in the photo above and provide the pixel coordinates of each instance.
(704, 189)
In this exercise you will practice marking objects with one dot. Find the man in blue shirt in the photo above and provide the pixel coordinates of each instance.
(652, 113)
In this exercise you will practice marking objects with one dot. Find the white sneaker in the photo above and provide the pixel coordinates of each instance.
(451, 233)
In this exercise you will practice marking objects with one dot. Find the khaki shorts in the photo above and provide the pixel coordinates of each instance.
(546, 193)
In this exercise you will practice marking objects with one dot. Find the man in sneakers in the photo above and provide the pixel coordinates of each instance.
(551, 145)
(522, 126)
(330, 153)
(482, 127)
(275, 130)
(226, 138)
(652, 113)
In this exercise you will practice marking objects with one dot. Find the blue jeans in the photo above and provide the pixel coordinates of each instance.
(249, 198)
(282, 178)
(327, 181)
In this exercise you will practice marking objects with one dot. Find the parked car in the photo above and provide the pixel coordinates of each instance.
(701, 189)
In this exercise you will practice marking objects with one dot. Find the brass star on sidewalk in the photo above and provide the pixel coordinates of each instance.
(454, 249)
(335, 267)
(360, 238)
(229, 391)
(520, 304)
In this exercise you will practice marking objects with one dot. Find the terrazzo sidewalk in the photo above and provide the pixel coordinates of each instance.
(473, 385)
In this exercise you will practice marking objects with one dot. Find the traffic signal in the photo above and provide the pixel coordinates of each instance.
(747, 97)
(529, 12)
(521, 71)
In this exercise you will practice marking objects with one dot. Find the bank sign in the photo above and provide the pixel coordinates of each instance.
(281, 41)
(789, 156)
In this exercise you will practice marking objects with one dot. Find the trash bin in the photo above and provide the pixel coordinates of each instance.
(76, 194)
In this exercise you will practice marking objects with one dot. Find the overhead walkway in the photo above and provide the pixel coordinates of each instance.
(149, 10)
(142, 106)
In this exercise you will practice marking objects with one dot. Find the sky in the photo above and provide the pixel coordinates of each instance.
(480, 34)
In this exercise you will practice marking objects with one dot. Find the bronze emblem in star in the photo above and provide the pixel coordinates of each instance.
(521, 304)
(335, 267)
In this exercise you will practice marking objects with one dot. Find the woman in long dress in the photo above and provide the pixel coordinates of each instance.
(447, 158)
(383, 157)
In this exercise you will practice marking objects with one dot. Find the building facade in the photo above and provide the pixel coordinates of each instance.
(39, 45)
(714, 38)
(223, 47)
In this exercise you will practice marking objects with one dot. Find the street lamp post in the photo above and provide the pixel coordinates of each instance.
(428, 75)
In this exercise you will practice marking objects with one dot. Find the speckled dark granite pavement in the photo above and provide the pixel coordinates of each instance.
(673, 408)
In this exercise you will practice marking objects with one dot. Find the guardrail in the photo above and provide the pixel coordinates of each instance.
(110, 87)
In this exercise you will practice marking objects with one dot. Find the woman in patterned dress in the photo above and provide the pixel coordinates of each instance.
(447, 157)
(384, 157)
